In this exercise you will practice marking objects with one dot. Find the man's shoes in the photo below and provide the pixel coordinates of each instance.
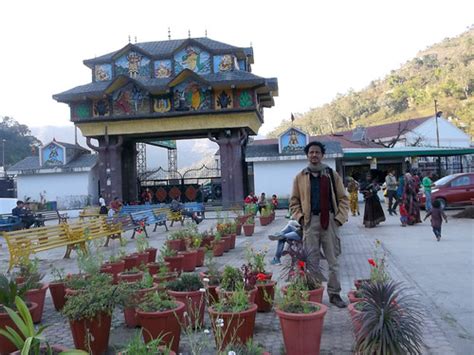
(337, 301)
(390, 212)
(438, 238)
(275, 261)
(198, 220)
(394, 211)
(276, 236)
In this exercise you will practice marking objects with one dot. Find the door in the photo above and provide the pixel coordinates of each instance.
(461, 190)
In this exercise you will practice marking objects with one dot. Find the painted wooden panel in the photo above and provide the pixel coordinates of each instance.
(223, 99)
(100, 108)
(244, 98)
(133, 64)
(103, 72)
(191, 95)
(223, 63)
(81, 110)
(161, 104)
(292, 141)
(192, 58)
(163, 68)
(52, 155)
(130, 100)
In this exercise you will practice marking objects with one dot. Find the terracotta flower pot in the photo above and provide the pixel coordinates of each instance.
(6, 347)
(302, 332)
(165, 324)
(93, 333)
(240, 324)
(218, 248)
(233, 237)
(265, 295)
(226, 243)
(130, 277)
(264, 221)
(207, 241)
(174, 244)
(114, 269)
(212, 296)
(248, 229)
(201, 254)
(353, 298)
(37, 296)
(358, 282)
(151, 254)
(195, 304)
(58, 294)
(314, 295)
(142, 260)
(130, 313)
(176, 263)
(154, 268)
(189, 260)
(238, 230)
(355, 317)
(130, 261)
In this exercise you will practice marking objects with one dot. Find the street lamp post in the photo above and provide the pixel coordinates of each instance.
(3, 157)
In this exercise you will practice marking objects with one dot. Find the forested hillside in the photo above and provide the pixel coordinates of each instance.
(444, 71)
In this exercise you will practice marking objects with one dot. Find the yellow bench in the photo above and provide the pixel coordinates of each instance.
(23, 243)
(89, 212)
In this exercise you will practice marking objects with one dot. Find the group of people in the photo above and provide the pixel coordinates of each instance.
(27, 217)
(261, 202)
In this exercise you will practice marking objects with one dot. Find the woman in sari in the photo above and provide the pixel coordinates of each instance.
(373, 211)
(410, 199)
(353, 189)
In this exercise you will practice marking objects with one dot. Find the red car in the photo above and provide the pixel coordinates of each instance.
(453, 190)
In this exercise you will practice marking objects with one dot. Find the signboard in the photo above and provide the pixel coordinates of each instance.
(170, 144)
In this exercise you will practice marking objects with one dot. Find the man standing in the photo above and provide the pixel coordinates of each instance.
(392, 186)
(427, 183)
(319, 203)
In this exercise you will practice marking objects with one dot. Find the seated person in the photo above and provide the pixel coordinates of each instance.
(25, 215)
(116, 205)
(292, 231)
(274, 202)
(176, 206)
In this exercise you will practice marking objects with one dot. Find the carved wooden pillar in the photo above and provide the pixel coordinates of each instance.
(231, 144)
(129, 171)
(110, 165)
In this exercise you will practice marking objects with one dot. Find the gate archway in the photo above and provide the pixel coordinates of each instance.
(179, 89)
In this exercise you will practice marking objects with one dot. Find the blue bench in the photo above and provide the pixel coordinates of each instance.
(195, 207)
(147, 218)
(10, 223)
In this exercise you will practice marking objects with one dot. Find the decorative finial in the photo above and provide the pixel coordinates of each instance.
(135, 39)
(189, 33)
(205, 33)
(129, 39)
(169, 33)
(251, 44)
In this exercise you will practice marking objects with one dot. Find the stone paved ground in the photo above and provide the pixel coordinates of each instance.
(337, 336)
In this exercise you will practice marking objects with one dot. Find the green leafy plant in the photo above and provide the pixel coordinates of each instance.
(9, 291)
(157, 302)
(217, 237)
(186, 282)
(296, 300)
(231, 278)
(213, 274)
(142, 243)
(391, 320)
(298, 270)
(378, 264)
(29, 339)
(250, 220)
(237, 302)
(136, 346)
(249, 348)
(29, 271)
(255, 259)
(165, 251)
(89, 262)
(58, 274)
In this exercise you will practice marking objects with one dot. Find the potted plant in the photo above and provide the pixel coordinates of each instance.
(154, 267)
(378, 266)
(207, 238)
(301, 321)
(189, 256)
(265, 293)
(189, 289)
(233, 319)
(211, 279)
(90, 314)
(388, 318)
(249, 348)
(159, 316)
(9, 290)
(131, 294)
(28, 339)
(265, 215)
(171, 256)
(57, 287)
(35, 290)
(218, 245)
(114, 266)
(249, 226)
(132, 275)
(233, 279)
(142, 245)
(136, 346)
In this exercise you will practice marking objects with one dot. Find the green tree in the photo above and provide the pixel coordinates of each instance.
(18, 141)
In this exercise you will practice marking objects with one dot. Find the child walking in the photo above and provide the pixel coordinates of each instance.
(437, 216)
(403, 214)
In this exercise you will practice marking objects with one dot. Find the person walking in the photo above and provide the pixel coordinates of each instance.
(373, 211)
(392, 187)
(103, 206)
(353, 189)
(320, 205)
(427, 184)
(437, 215)
(410, 199)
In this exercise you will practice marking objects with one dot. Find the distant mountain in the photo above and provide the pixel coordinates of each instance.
(444, 71)
(189, 151)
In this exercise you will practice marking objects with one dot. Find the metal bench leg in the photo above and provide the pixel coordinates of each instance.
(166, 227)
(146, 233)
(134, 231)
(156, 225)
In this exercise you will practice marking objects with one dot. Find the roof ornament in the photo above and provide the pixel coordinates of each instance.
(189, 33)
(135, 39)
(292, 119)
(169, 33)
(205, 33)
(129, 39)
(251, 45)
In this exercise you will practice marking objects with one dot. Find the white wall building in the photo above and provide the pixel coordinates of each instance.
(61, 172)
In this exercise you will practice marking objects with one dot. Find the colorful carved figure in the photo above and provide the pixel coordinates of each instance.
(101, 108)
(162, 105)
(134, 60)
(293, 138)
(102, 73)
(122, 101)
(224, 100)
(196, 98)
(245, 99)
(226, 63)
(163, 71)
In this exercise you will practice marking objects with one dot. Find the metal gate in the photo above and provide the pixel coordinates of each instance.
(193, 185)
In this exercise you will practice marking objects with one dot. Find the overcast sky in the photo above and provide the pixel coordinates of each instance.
(316, 49)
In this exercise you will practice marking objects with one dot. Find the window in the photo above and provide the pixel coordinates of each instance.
(462, 181)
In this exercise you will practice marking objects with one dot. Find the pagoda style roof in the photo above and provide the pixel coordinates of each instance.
(164, 49)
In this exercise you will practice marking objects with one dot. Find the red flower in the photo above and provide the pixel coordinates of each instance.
(372, 262)
(261, 277)
(301, 264)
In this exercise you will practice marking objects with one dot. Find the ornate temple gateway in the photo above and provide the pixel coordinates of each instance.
(174, 89)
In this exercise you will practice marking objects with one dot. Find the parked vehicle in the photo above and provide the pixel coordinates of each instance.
(453, 190)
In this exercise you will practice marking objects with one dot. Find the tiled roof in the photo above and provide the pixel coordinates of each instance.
(389, 129)
(32, 163)
(166, 48)
(341, 140)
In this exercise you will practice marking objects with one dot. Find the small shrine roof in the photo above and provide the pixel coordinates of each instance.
(30, 164)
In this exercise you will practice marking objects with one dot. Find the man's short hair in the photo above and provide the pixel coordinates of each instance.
(319, 144)
(19, 202)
